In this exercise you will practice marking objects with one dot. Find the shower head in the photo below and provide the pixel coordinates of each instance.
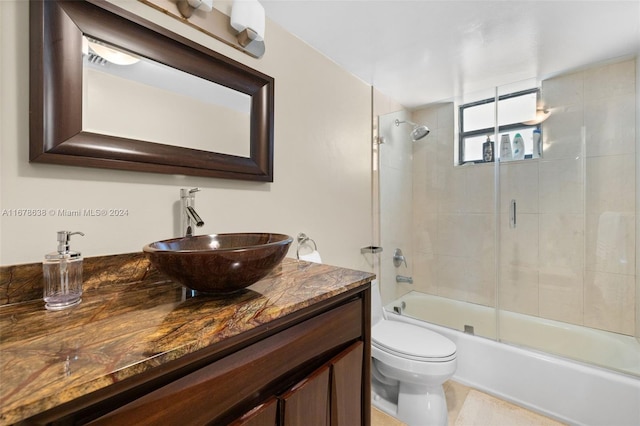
(419, 130)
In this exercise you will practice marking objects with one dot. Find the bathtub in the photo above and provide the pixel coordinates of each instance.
(565, 386)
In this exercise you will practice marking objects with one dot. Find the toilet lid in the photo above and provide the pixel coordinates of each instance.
(411, 340)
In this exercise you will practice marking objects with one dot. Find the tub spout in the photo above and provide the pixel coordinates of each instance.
(403, 279)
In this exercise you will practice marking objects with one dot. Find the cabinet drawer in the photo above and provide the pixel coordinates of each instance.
(250, 373)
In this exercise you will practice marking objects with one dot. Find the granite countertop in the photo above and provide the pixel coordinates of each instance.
(51, 357)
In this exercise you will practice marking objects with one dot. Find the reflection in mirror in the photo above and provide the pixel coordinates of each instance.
(128, 96)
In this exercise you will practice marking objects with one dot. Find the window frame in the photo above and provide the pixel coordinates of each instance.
(490, 130)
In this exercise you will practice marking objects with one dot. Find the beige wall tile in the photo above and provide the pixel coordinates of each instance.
(427, 116)
(563, 90)
(610, 242)
(424, 273)
(452, 237)
(425, 176)
(562, 133)
(610, 302)
(451, 272)
(610, 125)
(561, 241)
(481, 276)
(561, 294)
(610, 184)
(446, 141)
(425, 233)
(481, 279)
(446, 115)
(519, 246)
(451, 188)
(518, 289)
(479, 238)
(561, 186)
(480, 189)
(610, 80)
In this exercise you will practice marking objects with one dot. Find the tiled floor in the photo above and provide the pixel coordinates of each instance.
(469, 407)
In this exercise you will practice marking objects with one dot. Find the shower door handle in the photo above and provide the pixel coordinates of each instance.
(512, 214)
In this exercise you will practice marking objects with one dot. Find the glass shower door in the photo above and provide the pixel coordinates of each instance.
(567, 223)
(442, 215)
(395, 202)
(538, 251)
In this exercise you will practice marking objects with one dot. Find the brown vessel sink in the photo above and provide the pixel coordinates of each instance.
(219, 263)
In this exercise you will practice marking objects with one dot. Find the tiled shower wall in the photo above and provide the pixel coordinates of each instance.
(572, 254)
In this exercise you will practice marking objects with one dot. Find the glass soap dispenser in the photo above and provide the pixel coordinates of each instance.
(62, 272)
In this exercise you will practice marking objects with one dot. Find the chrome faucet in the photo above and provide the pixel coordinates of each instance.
(189, 215)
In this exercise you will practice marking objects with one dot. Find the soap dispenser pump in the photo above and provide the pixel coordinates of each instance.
(62, 272)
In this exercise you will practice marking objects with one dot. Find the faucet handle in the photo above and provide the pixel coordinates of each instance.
(398, 258)
(184, 192)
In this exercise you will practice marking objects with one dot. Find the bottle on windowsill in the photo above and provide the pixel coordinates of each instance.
(487, 151)
(505, 148)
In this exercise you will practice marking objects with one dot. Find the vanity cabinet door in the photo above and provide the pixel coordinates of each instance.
(346, 387)
(307, 403)
(332, 395)
(264, 414)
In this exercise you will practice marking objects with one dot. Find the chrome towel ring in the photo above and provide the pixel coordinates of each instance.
(303, 239)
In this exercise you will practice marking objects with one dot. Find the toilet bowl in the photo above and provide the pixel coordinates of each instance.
(409, 366)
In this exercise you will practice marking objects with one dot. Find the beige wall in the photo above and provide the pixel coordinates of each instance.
(322, 163)
(572, 255)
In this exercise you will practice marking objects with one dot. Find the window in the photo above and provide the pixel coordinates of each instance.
(516, 114)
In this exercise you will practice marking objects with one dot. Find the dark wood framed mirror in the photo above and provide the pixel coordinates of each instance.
(58, 31)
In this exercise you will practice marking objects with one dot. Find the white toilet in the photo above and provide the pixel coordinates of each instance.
(409, 365)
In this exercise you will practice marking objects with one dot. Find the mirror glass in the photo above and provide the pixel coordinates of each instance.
(110, 89)
(129, 96)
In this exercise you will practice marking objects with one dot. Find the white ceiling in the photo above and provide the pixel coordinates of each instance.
(422, 51)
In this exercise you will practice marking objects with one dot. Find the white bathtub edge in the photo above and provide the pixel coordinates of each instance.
(567, 391)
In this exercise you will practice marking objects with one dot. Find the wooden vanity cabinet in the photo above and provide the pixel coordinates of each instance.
(311, 367)
(264, 414)
(308, 402)
(346, 386)
(329, 396)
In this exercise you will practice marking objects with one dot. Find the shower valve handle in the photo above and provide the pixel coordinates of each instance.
(398, 258)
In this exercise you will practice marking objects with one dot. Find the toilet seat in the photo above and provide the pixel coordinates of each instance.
(412, 342)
